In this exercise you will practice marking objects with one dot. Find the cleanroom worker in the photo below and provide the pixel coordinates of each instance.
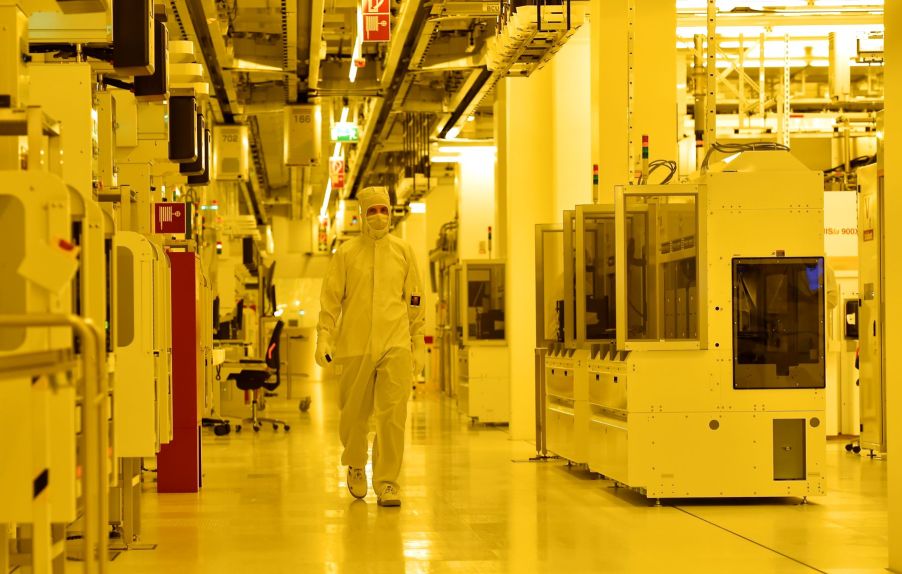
(371, 329)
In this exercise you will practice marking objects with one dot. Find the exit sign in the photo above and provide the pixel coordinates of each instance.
(345, 132)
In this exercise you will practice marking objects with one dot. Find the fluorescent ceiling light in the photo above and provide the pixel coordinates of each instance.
(270, 240)
(418, 207)
(239, 64)
(344, 115)
(324, 210)
(337, 151)
(467, 149)
(358, 46)
(452, 133)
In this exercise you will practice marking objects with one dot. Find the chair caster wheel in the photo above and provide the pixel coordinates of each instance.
(305, 404)
(275, 426)
(849, 447)
(222, 430)
(287, 428)
(256, 428)
(856, 449)
(237, 428)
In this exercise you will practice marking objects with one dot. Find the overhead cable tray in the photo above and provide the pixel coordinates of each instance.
(531, 35)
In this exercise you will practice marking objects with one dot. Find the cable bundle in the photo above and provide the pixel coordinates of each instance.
(854, 164)
(669, 164)
(733, 148)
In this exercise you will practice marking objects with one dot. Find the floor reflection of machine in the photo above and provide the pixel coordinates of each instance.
(711, 381)
(483, 373)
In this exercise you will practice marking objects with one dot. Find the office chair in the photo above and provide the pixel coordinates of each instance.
(257, 374)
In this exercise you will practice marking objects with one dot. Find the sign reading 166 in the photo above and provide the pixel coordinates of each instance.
(303, 117)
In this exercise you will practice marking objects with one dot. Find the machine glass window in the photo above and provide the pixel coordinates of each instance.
(127, 303)
(484, 292)
(778, 323)
(552, 270)
(599, 276)
(661, 268)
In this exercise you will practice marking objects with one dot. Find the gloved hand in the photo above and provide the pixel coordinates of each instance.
(323, 355)
(418, 348)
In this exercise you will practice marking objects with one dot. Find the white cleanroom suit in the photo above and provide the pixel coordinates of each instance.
(371, 327)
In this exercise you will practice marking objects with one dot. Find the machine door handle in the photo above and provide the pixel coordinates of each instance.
(875, 328)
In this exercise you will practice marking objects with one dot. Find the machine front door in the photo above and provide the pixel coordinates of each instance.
(870, 253)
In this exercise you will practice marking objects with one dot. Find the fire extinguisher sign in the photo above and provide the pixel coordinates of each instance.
(337, 172)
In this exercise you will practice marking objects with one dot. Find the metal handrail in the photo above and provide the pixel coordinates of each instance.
(95, 427)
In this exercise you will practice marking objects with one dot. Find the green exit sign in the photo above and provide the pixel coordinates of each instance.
(345, 132)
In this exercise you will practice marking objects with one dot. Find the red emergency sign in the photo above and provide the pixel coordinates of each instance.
(170, 217)
(376, 21)
(376, 27)
(337, 173)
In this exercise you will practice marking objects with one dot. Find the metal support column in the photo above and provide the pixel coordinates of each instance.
(892, 237)
(4, 547)
(741, 81)
(786, 95)
(761, 79)
(541, 426)
(632, 164)
(711, 88)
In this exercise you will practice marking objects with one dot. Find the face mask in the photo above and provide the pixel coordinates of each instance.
(377, 225)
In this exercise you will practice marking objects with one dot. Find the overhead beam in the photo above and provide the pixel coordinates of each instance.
(213, 50)
(311, 28)
(475, 91)
(829, 17)
(410, 27)
(293, 13)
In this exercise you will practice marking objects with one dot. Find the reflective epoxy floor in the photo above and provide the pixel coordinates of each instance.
(274, 502)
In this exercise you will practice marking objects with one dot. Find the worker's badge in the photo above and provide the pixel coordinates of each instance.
(414, 300)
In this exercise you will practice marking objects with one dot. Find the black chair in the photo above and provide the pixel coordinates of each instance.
(261, 374)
